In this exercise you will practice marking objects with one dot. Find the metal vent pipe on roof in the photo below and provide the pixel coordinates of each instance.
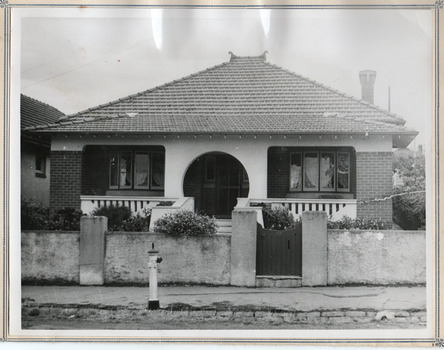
(367, 79)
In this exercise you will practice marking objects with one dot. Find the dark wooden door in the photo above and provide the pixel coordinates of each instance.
(279, 253)
(228, 185)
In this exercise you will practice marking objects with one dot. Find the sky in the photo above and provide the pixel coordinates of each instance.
(76, 59)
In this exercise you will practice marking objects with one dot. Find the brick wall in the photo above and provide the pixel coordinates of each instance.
(374, 174)
(95, 173)
(66, 173)
(278, 172)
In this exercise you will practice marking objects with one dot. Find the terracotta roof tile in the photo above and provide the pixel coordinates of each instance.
(245, 95)
(33, 112)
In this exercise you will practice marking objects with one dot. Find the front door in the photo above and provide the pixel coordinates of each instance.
(228, 185)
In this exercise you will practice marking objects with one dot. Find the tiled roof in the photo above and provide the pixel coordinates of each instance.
(244, 95)
(33, 112)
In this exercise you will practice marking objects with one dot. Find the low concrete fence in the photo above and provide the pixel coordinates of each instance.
(50, 257)
(54, 257)
(329, 257)
(187, 259)
(376, 257)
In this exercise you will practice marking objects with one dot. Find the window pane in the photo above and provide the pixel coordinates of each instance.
(327, 174)
(142, 164)
(343, 171)
(158, 175)
(311, 171)
(125, 170)
(114, 169)
(296, 172)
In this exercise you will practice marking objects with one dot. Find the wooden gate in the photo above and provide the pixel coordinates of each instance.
(279, 253)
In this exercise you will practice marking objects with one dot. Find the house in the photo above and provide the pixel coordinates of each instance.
(242, 133)
(35, 149)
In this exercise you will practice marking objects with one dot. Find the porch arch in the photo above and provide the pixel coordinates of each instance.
(215, 180)
(180, 155)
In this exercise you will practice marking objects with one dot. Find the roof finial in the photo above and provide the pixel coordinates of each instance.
(233, 56)
(264, 55)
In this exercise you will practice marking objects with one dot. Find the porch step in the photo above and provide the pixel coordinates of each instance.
(279, 281)
(224, 225)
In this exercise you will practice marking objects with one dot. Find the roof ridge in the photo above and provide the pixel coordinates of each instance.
(262, 56)
(368, 104)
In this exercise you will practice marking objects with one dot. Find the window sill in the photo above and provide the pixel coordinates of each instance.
(40, 175)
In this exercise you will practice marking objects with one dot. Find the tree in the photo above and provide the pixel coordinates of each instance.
(409, 206)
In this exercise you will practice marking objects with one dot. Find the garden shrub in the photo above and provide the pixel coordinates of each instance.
(34, 216)
(116, 216)
(278, 218)
(186, 222)
(347, 223)
(136, 223)
(67, 219)
(409, 211)
(120, 218)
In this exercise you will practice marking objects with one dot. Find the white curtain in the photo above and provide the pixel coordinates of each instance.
(311, 173)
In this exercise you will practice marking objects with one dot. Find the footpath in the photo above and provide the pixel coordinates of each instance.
(319, 306)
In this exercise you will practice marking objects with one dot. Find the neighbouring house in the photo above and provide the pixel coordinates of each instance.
(242, 133)
(35, 149)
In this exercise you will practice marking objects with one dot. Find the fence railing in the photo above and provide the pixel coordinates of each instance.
(336, 209)
(135, 203)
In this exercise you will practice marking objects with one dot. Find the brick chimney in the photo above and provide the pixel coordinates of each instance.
(367, 78)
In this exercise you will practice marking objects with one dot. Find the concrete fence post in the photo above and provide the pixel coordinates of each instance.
(314, 248)
(243, 248)
(92, 249)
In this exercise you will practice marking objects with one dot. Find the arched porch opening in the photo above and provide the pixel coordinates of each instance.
(216, 180)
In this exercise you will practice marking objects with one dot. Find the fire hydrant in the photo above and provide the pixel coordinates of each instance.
(153, 260)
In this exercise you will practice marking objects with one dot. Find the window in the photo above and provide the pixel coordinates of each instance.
(311, 171)
(344, 172)
(136, 170)
(125, 170)
(142, 170)
(327, 171)
(296, 172)
(40, 165)
(320, 171)
(114, 168)
(158, 174)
